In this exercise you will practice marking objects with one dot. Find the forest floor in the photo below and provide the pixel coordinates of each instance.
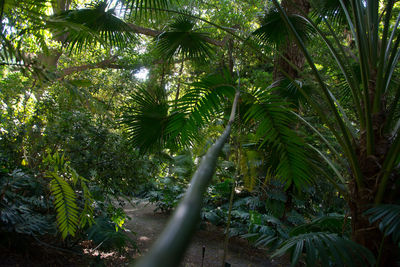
(148, 225)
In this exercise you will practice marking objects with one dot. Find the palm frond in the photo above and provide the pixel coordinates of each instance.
(330, 9)
(146, 119)
(146, 7)
(326, 248)
(84, 27)
(274, 123)
(388, 216)
(272, 32)
(332, 223)
(65, 205)
(182, 38)
(205, 98)
(153, 123)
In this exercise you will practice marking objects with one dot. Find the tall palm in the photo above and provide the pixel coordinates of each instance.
(370, 144)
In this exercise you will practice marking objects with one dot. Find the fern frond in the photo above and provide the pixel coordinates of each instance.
(65, 205)
(206, 97)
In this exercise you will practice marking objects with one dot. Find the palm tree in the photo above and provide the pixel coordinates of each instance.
(370, 144)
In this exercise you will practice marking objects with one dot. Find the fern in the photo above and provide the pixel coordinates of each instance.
(69, 216)
(65, 205)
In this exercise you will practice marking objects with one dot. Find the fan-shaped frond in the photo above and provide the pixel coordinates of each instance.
(274, 32)
(146, 119)
(182, 38)
(331, 9)
(389, 220)
(65, 205)
(274, 123)
(84, 27)
(326, 248)
(147, 7)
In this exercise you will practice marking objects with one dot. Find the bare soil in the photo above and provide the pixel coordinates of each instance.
(148, 225)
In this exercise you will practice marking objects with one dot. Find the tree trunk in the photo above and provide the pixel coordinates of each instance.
(290, 51)
(362, 199)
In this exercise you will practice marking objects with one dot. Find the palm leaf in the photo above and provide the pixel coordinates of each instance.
(389, 219)
(273, 33)
(146, 119)
(153, 124)
(327, 249)
(205, 98)
(84, 27)
(330, 9)
(274, 123)
(147, 7)
(332, 223)
(182, 38)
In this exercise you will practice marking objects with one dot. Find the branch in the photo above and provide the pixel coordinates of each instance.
(104, 64)
(172, 243)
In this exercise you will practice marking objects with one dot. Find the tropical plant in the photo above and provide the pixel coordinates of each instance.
(69, 217)
(22, 209)
(370, 143)
(388, 217)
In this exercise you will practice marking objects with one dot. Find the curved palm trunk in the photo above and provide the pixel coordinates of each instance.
(170, 247)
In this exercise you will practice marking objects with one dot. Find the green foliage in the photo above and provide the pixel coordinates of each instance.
(147, 119)
(274, 123)
(105, 236)
(85, 27)
(388, 217)
(65, 198)
(65, 204)
(326, 249)
(331, 223)
(23, 208)
(183, 39)
(147, 7)
(153, 123)
(273, 33)
(167, 191)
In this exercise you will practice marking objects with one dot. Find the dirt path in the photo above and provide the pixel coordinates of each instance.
(148, 225)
